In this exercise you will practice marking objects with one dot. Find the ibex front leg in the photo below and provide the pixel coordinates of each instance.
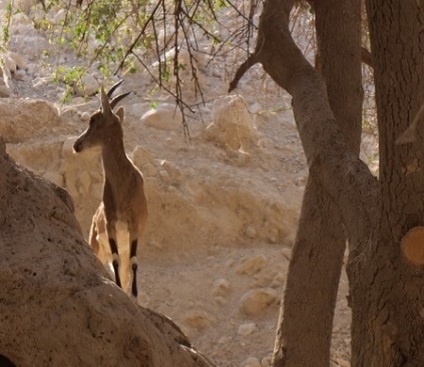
(134, 264)
(111, 234)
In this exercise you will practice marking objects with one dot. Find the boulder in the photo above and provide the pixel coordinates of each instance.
(23, 120)
(58, 306)
(256, 301)
(165, 116)
(232, 127)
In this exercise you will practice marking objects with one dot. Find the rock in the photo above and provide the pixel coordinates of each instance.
(57, 286)
(256, 301)
(30, 45)
(20, 75)
(165, 116)
(27, 5)
(136, 110)
(14, 62)
(232, 125)
(250, 232)
(141, 156)
(197, 61)
(87, 86)
(41, 155)
(266, 362)
(20, 23)
(196, 319)
(247, 329)
(252, 362)
(221, 288)
(253, 265)
(24, 120)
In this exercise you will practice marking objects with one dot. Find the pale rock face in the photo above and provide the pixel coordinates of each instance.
(247, 329)
(252, 362)
(27, 5)
(253, 265)
(232, 127)
(197, 319)
(88, 87)
(23, 120)
(165, 116)
(59, 305)
(221, 287)
(31, 46)
(14, 62)
(256, 301)
(20, 23)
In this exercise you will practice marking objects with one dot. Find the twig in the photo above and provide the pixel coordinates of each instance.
(243, 68)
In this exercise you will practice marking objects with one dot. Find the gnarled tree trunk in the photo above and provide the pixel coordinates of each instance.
(306, 315)
(387, 290)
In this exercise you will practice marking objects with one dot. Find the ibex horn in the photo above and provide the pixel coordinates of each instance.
(115, 101)
(105, 106)
(112, 89)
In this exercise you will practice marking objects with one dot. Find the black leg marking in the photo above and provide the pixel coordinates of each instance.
(115, 261)
(134, 266)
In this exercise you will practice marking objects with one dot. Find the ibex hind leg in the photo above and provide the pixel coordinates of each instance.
(134, 266)
(115, 260)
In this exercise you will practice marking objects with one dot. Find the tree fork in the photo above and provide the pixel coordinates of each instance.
(339, 183)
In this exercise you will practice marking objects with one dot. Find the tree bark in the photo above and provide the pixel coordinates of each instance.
(306, 315)
(388, 291)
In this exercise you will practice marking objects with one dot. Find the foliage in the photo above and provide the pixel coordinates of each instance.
(6, 27)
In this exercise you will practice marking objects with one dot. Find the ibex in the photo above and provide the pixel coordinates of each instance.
(121, 217)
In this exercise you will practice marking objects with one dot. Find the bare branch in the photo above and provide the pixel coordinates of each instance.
(243, 68)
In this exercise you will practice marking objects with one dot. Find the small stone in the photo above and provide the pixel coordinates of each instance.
(165, 117)
(252, 362)
(224, 340)
(229, 263)
(250, 232)
(221, 287)
(88, 86)
(247, 329)
(221, 300)
(266, 362)
(197, 320)
(253, 265)
(256, 301)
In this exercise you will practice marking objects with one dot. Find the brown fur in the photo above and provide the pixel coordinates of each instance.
(123, 210)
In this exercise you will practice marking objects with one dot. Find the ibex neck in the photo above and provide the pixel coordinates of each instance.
(115, 161)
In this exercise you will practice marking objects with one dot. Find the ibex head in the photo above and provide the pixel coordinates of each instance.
(104, 124)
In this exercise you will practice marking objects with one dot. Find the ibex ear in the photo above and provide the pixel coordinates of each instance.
(105, 102)
(120, 114)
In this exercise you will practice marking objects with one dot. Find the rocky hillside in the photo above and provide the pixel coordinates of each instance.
(223, 203)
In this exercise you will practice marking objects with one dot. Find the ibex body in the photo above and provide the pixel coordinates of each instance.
(121, 217)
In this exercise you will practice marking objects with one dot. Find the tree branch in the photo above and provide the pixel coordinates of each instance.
(346, 179)
(243, 68)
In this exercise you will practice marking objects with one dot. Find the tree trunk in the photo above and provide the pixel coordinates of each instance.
(383, 221)
(387, 290)
(307, 312)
